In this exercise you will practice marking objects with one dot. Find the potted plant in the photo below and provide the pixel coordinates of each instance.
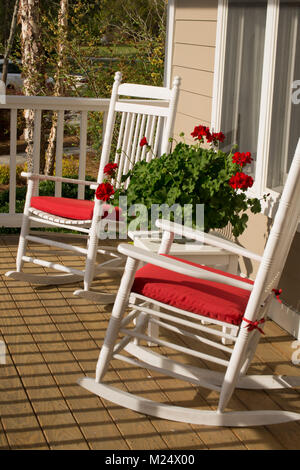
(194, 174)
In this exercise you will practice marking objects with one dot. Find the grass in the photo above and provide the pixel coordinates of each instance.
(111, 51)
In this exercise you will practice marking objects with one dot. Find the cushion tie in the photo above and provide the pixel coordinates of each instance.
(253, 325)
(277, 293)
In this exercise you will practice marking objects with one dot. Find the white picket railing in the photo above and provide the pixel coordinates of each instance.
(39, 104)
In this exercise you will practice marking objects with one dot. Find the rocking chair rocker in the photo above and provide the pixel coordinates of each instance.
(195, 302)
(153, 120)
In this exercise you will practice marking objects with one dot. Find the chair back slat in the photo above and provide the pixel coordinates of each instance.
(141, 108)
(151, 117)
(144, 91)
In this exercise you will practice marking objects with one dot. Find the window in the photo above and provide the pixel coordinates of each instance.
(257, 62)
(243, 74)
(285, 128)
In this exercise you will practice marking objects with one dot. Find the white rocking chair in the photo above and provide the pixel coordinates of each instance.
(178, 295)
(153, 120)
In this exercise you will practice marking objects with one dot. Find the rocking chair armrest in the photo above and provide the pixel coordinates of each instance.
(59, 179)
(206, 238)
(179, 266)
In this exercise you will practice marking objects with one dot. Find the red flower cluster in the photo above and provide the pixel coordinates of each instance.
(110, 169)
(143, 142)
(200, 132)
(242, 158)
(241, 181)
(104, 191)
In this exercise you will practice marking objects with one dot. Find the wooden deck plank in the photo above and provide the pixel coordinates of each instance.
(252, 438)
(184, 394)
(95, 422)
(51, 410)
(176, 435)
(137, 429)
(53, 338)
(19, 422)
(62, 364)
(3, 440)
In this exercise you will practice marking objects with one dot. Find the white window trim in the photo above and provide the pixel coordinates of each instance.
(259, 188)
(170, 25)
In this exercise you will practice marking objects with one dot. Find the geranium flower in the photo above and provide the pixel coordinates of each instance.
(110, 169)
(143, 142)
(104, 191)
(200, 132)
(241, 181)
(242, 159)
(219, 136)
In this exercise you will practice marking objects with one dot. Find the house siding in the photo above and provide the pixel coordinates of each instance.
(193, 59)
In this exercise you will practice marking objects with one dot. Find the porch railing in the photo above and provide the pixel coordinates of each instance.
(46, 103)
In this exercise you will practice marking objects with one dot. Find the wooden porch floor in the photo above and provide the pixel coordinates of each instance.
(53, 338)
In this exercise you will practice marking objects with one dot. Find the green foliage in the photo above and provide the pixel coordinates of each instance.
(5, 173)
(192, 175)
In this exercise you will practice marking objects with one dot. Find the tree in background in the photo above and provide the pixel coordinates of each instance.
(98, 38)
(33, 68)
(9, 42)
(144, 23)
(59, 86)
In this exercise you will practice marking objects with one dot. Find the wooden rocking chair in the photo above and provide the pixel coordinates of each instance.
(178, 296)
(136, 119)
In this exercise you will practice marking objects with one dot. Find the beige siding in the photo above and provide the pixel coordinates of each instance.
(189, 10)
(196, 106)
(193, 60)
(192, 79)
(192, 57)
(201, 33)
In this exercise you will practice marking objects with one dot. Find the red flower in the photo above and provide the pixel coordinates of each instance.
(104, 191)
(110, 169)
(242, 158)
(143, 142)
(241, 181)
(202, 131)
(219, 136)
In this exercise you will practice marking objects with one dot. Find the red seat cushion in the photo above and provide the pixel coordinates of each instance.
(211, 299)
(68, 208)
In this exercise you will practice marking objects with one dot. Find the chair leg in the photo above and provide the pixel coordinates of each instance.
(92, 245)
(253, 342)
(31, 189)
(22, 242)
(90, 259)
(116, 318)
(234, 369)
